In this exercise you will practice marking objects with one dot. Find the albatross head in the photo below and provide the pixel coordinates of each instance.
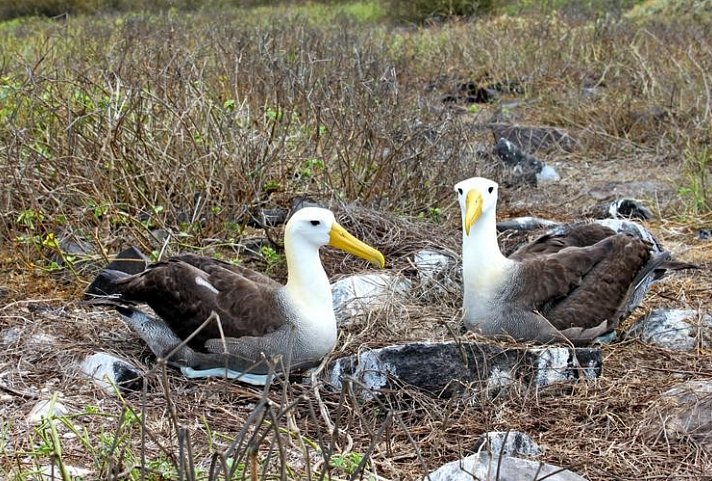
(477, 196)
(317, 227)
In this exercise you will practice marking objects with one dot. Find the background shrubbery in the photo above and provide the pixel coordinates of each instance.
(399, 11)
(114, 126)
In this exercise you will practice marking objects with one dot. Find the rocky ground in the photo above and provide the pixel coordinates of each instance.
(646, 412)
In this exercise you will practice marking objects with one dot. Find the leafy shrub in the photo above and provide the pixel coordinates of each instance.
(420, 11)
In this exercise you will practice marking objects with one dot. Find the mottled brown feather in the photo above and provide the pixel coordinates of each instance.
(575, 235)
(246, 302)
(582, 286)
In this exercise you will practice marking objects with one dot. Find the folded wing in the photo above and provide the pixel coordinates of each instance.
(184, 290)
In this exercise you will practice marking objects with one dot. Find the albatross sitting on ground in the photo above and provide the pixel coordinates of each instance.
(257, 322)
(572, 286)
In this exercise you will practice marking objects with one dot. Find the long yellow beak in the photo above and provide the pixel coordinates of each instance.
(341, 239)
(473, 209)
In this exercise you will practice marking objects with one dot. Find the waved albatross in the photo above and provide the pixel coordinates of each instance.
(259, 321)
(575, 285)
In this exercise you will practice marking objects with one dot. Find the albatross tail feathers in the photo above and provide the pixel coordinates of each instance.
(104, 286)
(653, 267)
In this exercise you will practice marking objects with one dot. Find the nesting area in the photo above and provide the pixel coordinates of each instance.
(300, 428)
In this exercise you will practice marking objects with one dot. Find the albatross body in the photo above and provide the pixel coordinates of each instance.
(573, 285)
(257, 322)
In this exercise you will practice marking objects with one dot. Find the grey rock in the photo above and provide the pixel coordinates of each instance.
(447, 368)
(609, 191)
(685, 412)
(357, 295)
(110, 372)
(438, 273)
(74, 250)
(507, 443)
(300, 202)
(9, 337)
(51, 472)
(431, 263)
(523, 167)
(41, 341)
(160, 237)
(73, 245)
(677, 329)
(507, 112)
(621, 209)
(704, 234)
(262, 218)
(130, 261)
(590, 93)
(485, 467)
(531, 138)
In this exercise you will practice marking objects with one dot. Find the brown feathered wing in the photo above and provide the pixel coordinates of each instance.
(245, 302)
(582, 287)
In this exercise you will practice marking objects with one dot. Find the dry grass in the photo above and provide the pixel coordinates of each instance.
(603, 429)
(114, 128)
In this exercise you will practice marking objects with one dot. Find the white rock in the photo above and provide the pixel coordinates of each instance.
(45, 409)
(371, 374)
(50, 472)
(41, 340)
(8, 337)
(497, 383)
(508, 443)
(447, 368)
(677, 329)
(556, 364)
(439, 275)
(430, 264)
(683, 413)
(109, 372)
(485, 467)
(357, 295)
(547, 174)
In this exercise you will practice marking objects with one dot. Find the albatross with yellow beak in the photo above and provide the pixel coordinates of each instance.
(258, 321)
(575, 286)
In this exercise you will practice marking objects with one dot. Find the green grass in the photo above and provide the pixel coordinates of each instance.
(697, 189)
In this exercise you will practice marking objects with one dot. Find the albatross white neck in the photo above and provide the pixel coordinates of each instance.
(482, 261)
(307, 283)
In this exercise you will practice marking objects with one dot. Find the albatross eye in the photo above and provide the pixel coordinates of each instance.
(490, 189)
(315, 222)
(459, 191)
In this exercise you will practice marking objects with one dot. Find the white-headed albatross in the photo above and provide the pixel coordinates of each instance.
(259, 318)
(575, 285)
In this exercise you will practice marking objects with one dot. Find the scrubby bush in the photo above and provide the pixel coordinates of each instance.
(420, 11)
(10, 9)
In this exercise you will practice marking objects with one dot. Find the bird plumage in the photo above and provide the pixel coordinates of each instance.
(255, 317)
(575, 283)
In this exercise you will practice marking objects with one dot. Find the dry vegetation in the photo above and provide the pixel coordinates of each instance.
(170, 131)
